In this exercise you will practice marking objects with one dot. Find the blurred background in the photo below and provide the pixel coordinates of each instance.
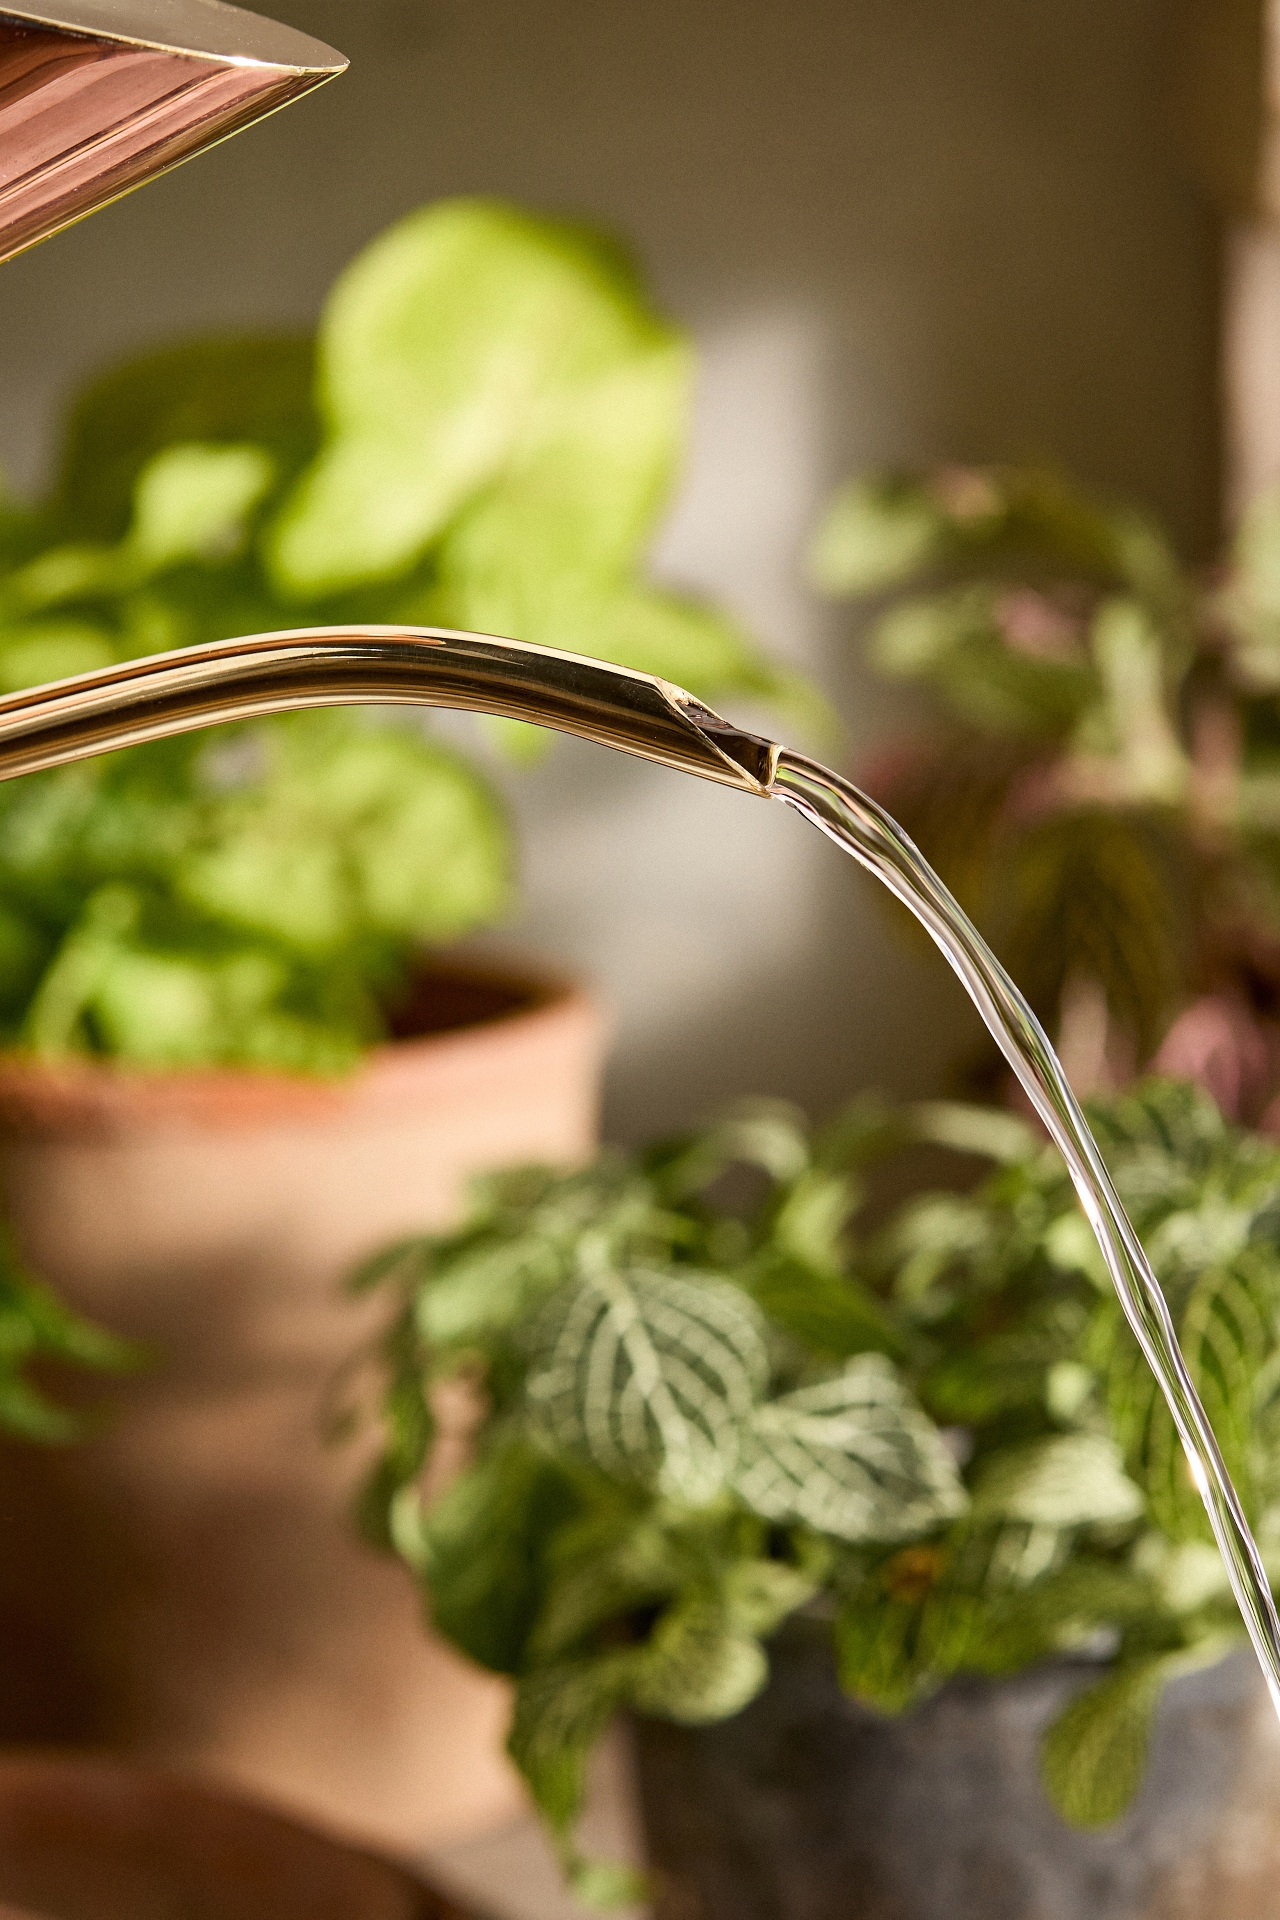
(902, 232)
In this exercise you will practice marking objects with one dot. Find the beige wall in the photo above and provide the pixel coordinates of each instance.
(902, 228)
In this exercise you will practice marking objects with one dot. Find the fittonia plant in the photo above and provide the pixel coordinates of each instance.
(484, 434)
(706, 1397)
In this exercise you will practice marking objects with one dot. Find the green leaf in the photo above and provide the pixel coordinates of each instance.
(611, 1563)
(966, 644)
(249, 391)
(34, 1324)
(560, 1713)
(831, 1314)
(191, 503)
(875, 1655)
(1093, 1757)
(877, 533)
(1133, 729)
(353, 832)
(886, 530)
(451, 351)
(851, 1457)
(43, 650)
(768, 1134)
(698, 1666)
(1065, 1480)
(649, 1376)
(998, 1136)
(571, 513)
(485, 1541)
(1099, 896)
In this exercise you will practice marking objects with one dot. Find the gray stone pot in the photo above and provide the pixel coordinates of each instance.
(808, 1807)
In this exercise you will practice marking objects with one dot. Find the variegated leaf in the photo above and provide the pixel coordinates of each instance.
(1067, 1480)
(851, 1456)
(650, 1376)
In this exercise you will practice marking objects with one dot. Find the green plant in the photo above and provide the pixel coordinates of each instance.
(696, 1377)
(1101, 787)
(35, 1330)
(482, 434)
(688, 1421)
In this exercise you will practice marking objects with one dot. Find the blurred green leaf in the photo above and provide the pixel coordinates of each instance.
(456, 349)
(191, 502)
(999, 665)
(1093, 1757)
(250, 392)
(1099, 896)
(353, 832)
(484, 1547)
(877, 533)
(35, 1327)
(1065, 1480)
(850, 1456)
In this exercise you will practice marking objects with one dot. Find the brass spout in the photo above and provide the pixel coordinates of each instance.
(99, 96)
(168, 693)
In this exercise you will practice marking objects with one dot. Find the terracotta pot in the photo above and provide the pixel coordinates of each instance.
(809, 1807)
(93, 1841)
(186, 1585)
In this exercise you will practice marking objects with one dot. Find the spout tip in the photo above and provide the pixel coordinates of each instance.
(751, 753)
(200, 29)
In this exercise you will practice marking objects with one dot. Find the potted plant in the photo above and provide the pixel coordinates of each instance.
(230, 1060)
(702, 1386)
(1098, 780)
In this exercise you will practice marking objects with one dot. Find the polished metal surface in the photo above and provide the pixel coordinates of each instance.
(98, 96)
(272, 673)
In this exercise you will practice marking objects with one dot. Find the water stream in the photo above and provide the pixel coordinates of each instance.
(873, 838)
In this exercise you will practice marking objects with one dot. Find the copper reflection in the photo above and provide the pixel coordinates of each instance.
(83, 119)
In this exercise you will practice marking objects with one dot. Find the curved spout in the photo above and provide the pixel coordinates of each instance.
(169, 693)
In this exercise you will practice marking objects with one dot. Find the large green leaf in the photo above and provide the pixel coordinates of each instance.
(651, 1377)
(569, 513)
(850, 1456)
(452, 353)
(191, 502)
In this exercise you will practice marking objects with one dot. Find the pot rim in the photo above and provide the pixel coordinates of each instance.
(545, 1011)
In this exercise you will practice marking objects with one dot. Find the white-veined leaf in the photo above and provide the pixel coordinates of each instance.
(1067, 1480)
(698, 1665)
(851, 1456)
(650, 1376)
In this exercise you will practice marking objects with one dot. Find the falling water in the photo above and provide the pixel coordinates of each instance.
(878, 843)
